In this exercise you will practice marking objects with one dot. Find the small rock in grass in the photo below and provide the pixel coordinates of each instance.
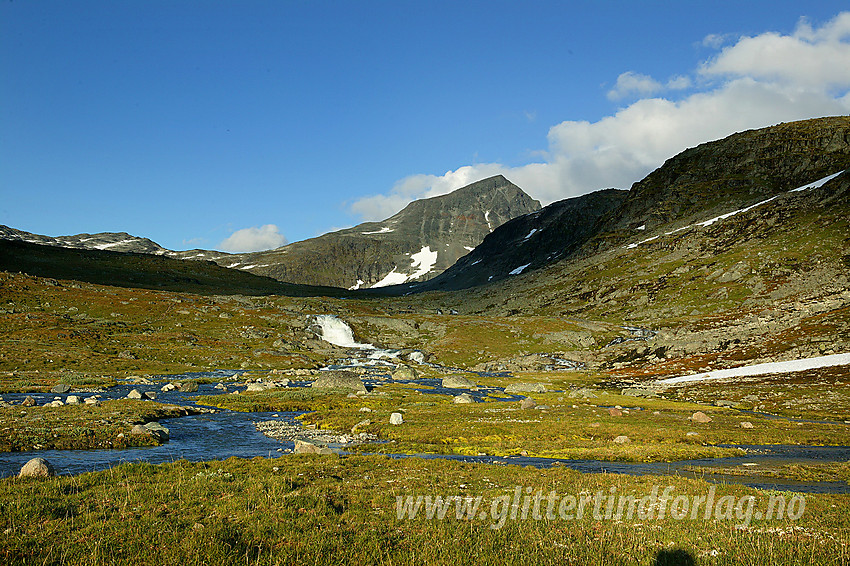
(61, 388)
(464, 398)
(615, 412)
(396, 419)
(622, 440)
(37, 468)
(365, 410)
(700, 417)
(527, 403)
(525, 388)
(746, 424)
(92, 401)
(691, 433)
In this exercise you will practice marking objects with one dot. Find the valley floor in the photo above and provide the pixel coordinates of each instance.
(606, 404)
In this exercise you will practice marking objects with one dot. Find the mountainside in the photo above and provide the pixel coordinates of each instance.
(529, 242)
(704, 182)
(418, 243)
(111, 241)
(421, 241)
(142, 270)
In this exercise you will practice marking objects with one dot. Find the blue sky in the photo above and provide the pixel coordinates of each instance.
(240, 125)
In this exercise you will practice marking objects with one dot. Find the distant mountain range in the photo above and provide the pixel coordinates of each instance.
(418, 243)
(491, 230)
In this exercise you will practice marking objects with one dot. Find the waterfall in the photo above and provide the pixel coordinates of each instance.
(336, 332)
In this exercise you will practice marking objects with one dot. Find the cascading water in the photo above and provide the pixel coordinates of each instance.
(336, 332)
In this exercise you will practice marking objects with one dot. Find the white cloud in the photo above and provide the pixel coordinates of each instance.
(808, 58)
(631, 83)
(254, 239)
(753, 82)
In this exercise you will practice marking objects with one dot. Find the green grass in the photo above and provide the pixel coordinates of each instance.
(331, 510)
(80, 427)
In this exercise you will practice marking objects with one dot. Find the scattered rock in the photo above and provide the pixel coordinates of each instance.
(149, 395)
(527, 403)
(28, 402)
(746, 424)
(724, 403)
(700, 417)
(157, 431)
(37, 468)
(464, 398)
(622, 440)
(188, 387)
(365, 422)
(61, 388)
(303, 447)
(256, 387)
(339, 380)
(94, 401)
(72, 400)
(168, 387)
(639, 392)
(615, 412)
(691, 433)
(457, 382)
(396, 419)
(138, 430)
(525, 388)
(405, 372)
(365, 410)
(134, 394)
(595, 425)
(583, 393)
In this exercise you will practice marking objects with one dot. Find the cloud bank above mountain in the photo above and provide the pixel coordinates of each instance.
(253, 239)
(749, 82)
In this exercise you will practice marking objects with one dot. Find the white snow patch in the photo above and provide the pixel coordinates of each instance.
(383, 230)
(250, 266)
(711, 221)
(487, 218)
(530, 234)
(356, 285)
(467, 248)
(761, 369)
(519, 269)
(641, 227)
(113, 244)
(232, 265)
(391, 278)
(818, 183)
(424, 262)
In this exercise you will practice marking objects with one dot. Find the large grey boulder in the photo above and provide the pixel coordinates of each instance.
(464, 398)
(134, 394)
(303, 447)
(37, 468)
(158, 431)
(345, 380)
(396, 419)
(405, 372)
(188, 387)
(457, 382)
(525, 388)
(61, 388)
